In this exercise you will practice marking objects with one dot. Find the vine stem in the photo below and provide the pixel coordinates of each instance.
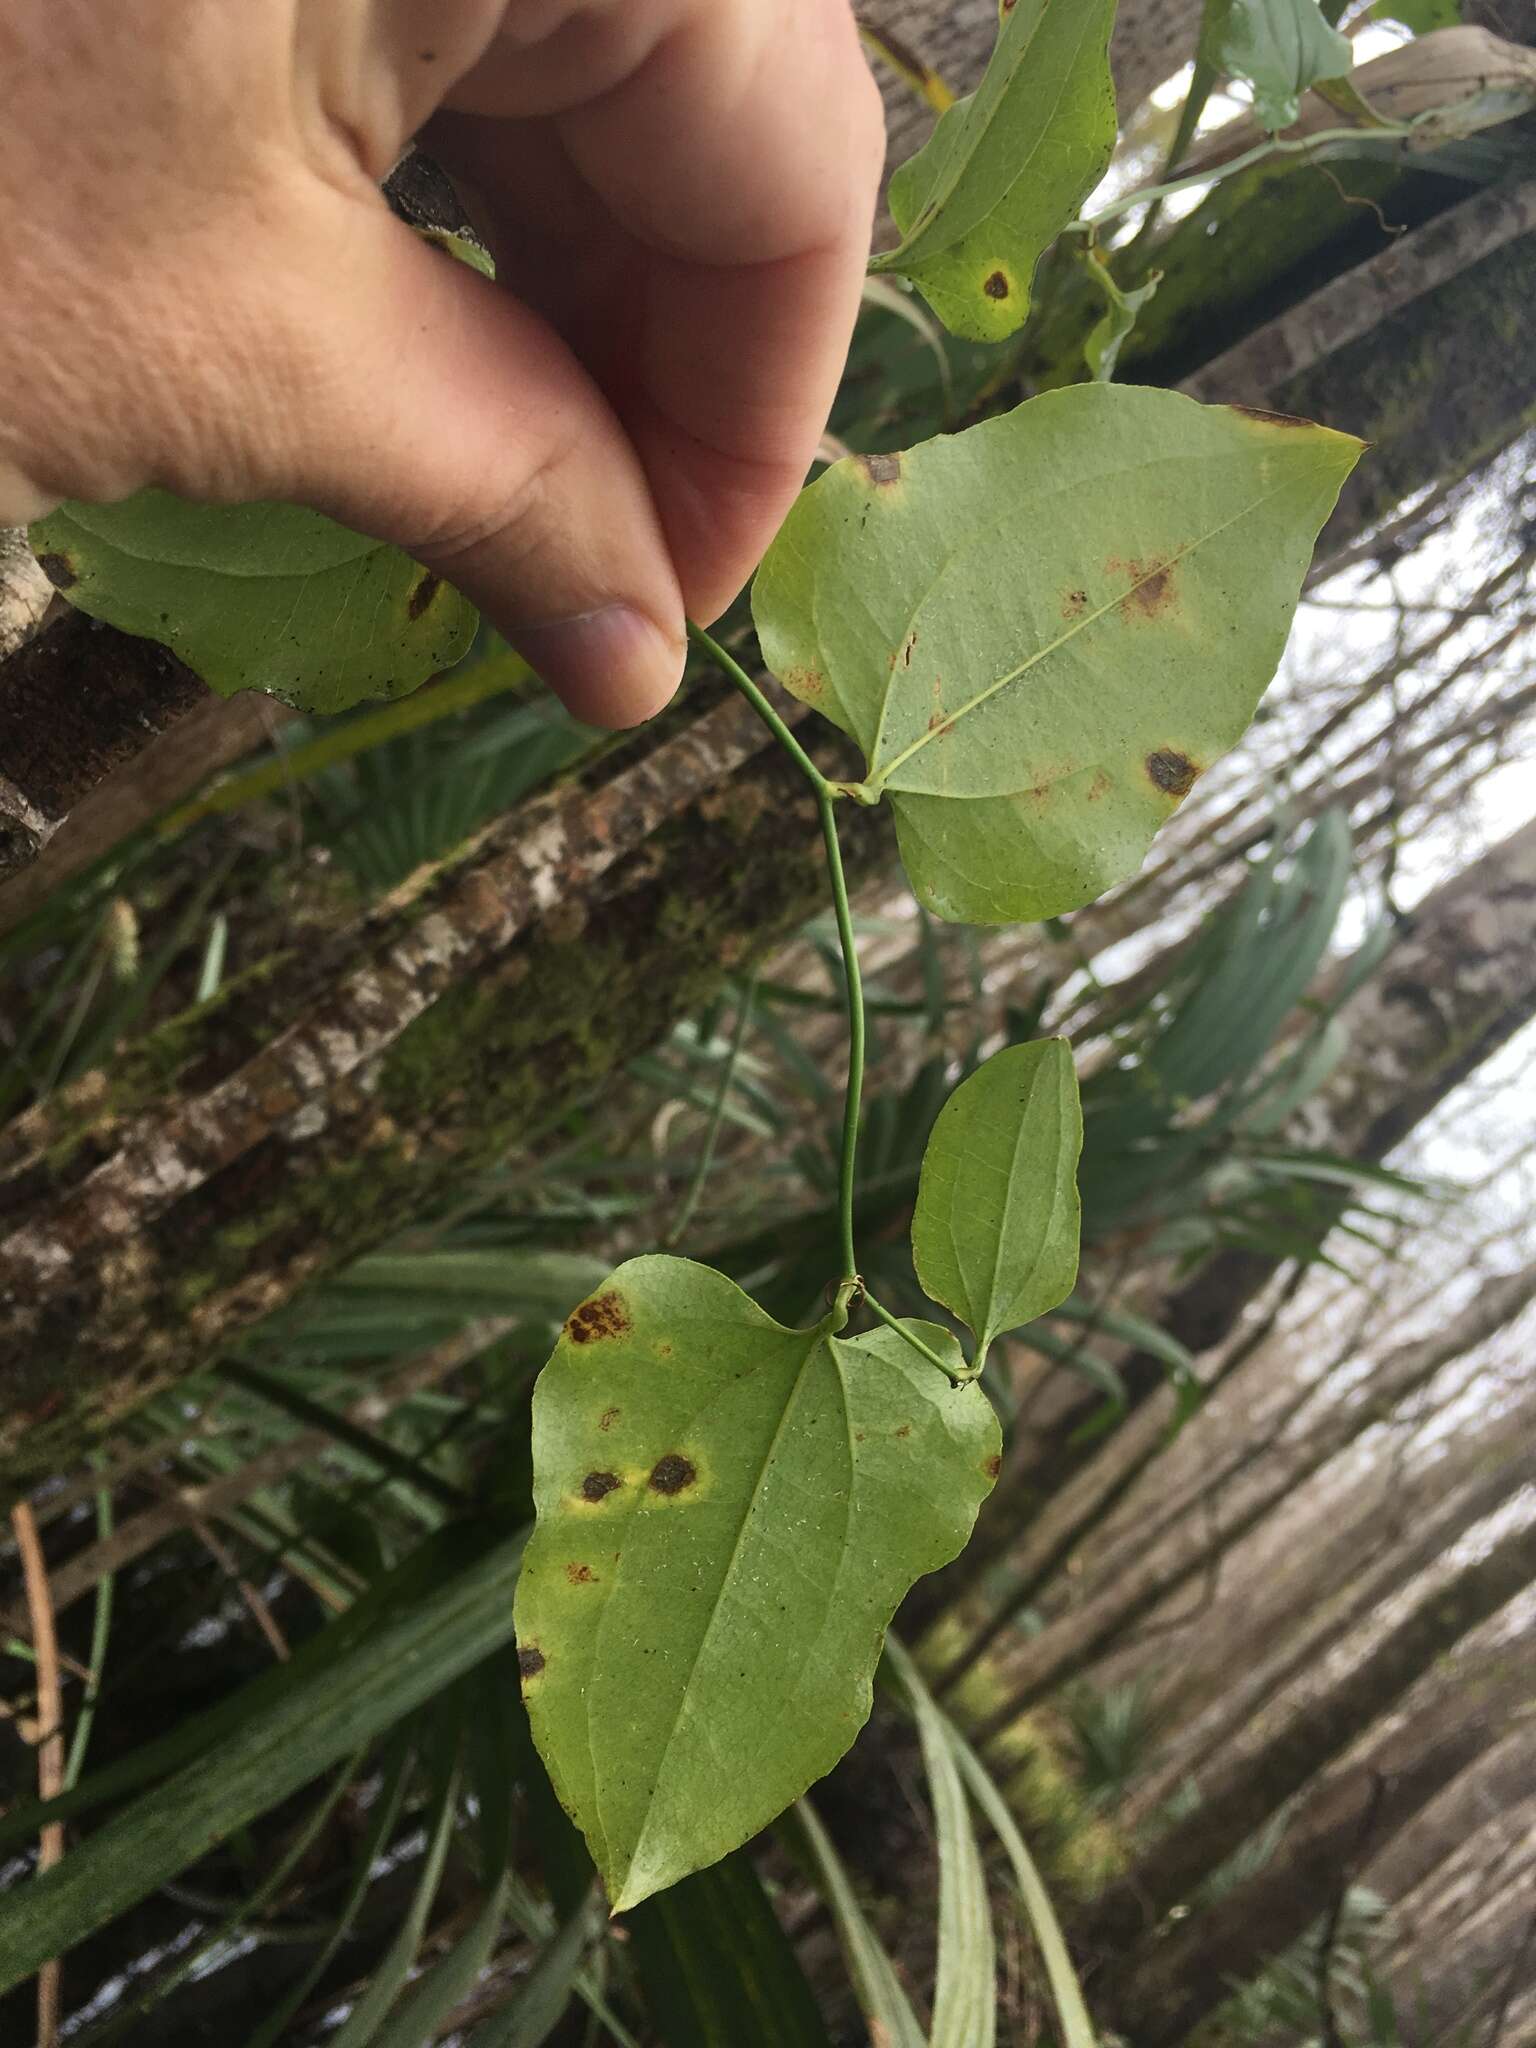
(852, 980)
(1272, 146)
(706, 1159)
(851, 1286)
(883, 1315)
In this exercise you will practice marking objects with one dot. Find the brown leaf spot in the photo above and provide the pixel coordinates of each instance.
(530, 1661)
(993, 1465)
(941, 725)
(881, 470)
(903, 653)
(59, 570)
(1074, 604)
(996, 286)
(1099, 787)
(905, 1429)
(603, 1316)
(805, 682)
(608, 1418)
(672, 1473)
(422, 595)
(581, 1574)
(1172, 772)
(598, 1485)
(1153, 592)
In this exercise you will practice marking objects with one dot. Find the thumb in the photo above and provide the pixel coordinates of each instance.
(437, 412)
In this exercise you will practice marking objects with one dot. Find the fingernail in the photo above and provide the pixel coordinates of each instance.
(611, 667)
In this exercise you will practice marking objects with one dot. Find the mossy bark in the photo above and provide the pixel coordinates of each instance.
(510, 1039)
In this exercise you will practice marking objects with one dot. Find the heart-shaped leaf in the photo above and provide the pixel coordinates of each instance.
(1007, 168)
(259, 597)
(1042, 630)
(995, 1230)
(728, 1514)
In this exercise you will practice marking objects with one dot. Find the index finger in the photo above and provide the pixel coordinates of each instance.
(739, 146)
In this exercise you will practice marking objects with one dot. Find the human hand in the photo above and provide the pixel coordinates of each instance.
(201, 287)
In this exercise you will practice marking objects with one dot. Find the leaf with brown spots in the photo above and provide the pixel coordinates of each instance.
(1006, 169)
(773, 1495)
(1095, 590)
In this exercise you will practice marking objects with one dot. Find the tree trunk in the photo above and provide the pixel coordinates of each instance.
(1242, 1487)
(1268, 1653)
(1248, 1787)
(320, 1103)
(1174, 1983)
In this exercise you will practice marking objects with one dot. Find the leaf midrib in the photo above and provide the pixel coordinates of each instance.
(365, 548)
(749, 1510)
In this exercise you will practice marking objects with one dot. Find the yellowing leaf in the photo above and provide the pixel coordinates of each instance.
(1042, 631)
(1007, 168)
(728, 1514)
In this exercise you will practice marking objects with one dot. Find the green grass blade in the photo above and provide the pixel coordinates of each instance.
(965, 1993)
(882, 2001)
(420, 2020)
(539, 2007)
(363, 2023)
(294, 1734)
(1076, 2026)
(386, 1810)
(716, 1967)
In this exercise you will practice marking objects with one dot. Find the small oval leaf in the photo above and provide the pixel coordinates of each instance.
(995, 1230)
(1042, 630)
(728, 1514)
(261, 597)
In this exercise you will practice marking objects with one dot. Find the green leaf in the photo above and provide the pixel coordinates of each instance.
(995, 1231)
(1006, 169)
(1281, 47)
(1043, 630)
(728, 1513)
(259, 597)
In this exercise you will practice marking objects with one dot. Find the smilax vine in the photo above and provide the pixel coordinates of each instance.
(1037, 633)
